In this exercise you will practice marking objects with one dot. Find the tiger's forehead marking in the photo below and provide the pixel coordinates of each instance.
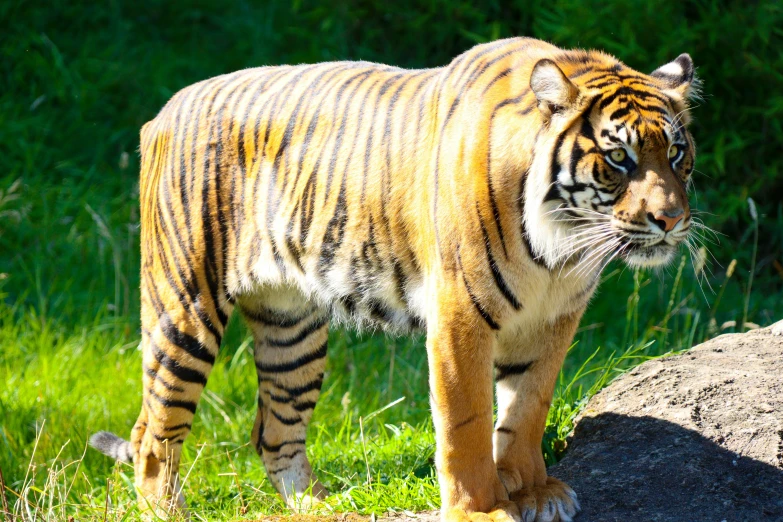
(634, 117)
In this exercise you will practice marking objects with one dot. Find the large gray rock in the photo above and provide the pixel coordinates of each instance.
(697, 436)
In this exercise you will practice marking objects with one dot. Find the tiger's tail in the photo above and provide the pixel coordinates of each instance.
(113, 446)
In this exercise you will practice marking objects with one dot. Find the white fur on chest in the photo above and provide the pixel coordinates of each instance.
(552, 296)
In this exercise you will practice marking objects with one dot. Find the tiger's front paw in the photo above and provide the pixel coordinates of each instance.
(554, 502)
(505, 511)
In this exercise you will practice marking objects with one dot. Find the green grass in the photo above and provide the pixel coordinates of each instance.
(77, 81)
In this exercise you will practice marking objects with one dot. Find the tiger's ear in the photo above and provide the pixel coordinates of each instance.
(553, 90)
(678, 77)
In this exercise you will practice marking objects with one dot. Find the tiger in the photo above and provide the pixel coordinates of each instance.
(477, 202)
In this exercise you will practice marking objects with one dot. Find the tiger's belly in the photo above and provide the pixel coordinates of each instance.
(389, 298)
(377, 302)
(396, 302)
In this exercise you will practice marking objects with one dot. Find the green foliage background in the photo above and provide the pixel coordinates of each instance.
(78, 79)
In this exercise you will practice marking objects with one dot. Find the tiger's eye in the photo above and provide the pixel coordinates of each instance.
(673, 151)
(617, 155)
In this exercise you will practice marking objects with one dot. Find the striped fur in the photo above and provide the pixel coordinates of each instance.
(477, 201)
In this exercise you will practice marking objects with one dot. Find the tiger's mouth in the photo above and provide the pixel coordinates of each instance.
(639, 255)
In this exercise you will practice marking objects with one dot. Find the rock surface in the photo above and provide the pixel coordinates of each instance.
(697, 436)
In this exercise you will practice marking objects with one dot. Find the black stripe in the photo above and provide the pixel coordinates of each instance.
(310, 91)
(480, 309)
(313, 327)
(168, 440)
(386, 144)
(304, 406)
(288, 455)
(154, 375)
(537, 259)
(400, 281)
(285, 420)
(465, 422)
(577, 153)
(309, 200)
(170, 403)
(273, 201)
(508, 370)
(338, 140)
(297, 390)
(184, 341)
(490, 188)
(309, 190)
(222, 220)
(293, 248)
(502, 74)
(313, 124)
(320, 353)
(241, 153)
(368, 146)
(275, 318)
(275, 448)
(553, 193)
(467, 64)
(335, 230)
(493, 266)
(628, 91)
(449, 114)
(554, 168)
(177, 427)
(213, 245)
(283, 150)
(279, 398)
(379, 311)
(602, 74)
(174, 367)
(215, 88)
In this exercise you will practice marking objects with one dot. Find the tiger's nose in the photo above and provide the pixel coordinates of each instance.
(666, 221)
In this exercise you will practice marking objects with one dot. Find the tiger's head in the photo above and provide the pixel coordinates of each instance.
(613, 160)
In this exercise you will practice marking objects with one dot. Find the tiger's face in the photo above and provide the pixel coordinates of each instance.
(643, 175)
(621, 167)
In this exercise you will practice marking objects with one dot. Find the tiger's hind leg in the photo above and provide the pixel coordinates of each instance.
(180, 339)
(290, 356)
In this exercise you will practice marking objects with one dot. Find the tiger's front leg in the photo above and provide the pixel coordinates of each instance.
(527, 365)
(459, 348)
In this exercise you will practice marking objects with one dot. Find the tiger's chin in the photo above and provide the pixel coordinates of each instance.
(649, 256)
